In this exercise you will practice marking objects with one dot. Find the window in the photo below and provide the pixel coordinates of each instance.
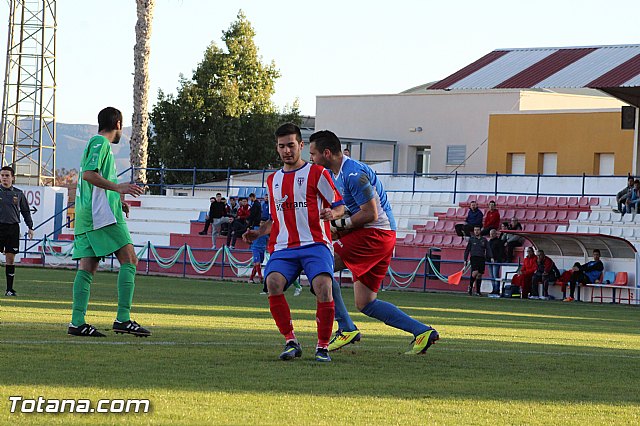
(423, 159)
(456, 154)
(605, 164)
(549, 163)
(517, 162)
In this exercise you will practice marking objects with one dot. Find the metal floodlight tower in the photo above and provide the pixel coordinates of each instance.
(28, 134)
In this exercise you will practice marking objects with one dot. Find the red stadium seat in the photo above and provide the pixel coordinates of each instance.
(539, 227)
(531, 200)
(419, 239)
(437, 240)
(449, 226)
(520, 214)
(521, 201)
(501, 200)
(572, 203)
(541, 202)
(551, 227)
(429, 226)
(508, 214)
(468, 201)
(562, 202)
(511, 201)
(551, 216)
(530, 215)
(561, 216)
(583, 202)
(541, 216)
(408, 239)
(572, 214)
(447, 240)
(483, 200)
(440, 226)
(461, 213)
(552, 202)
(594, 201)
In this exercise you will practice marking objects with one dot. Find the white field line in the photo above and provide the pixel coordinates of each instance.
(440, 347)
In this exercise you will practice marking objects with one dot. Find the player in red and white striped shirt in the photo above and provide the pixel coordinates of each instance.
(303, 199)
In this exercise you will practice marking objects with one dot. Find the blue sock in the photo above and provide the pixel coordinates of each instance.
(391, 315)
(341, 315)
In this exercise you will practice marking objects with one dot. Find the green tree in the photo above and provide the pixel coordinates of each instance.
(222, 117)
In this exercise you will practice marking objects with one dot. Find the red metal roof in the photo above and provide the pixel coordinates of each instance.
(612, 69)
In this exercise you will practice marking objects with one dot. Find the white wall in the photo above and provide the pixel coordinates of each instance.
(446, 118)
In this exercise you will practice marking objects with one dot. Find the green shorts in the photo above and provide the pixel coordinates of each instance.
(101, 242)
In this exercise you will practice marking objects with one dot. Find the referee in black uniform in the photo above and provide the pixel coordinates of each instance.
(12, 204)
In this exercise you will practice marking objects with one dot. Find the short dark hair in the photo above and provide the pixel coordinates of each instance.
(596, 251)
(326, 139)
(492, 202)
(108, 119)
(212, 198)
(252, 195)
(217, 193)
(9, 168)
(540, 251)
(289, 129)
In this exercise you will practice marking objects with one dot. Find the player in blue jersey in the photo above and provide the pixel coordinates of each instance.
(367, 240)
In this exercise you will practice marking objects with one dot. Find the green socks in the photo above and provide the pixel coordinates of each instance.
(126, 278)
(81, 286)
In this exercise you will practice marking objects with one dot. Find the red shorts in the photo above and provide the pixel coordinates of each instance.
(367, 253)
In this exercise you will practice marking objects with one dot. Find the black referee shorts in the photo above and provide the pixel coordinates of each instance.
(477, 264)
(10, 237)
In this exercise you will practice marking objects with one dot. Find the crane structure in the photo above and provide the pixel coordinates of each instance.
(28, 121)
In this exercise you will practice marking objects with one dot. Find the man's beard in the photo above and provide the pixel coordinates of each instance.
(116, 138)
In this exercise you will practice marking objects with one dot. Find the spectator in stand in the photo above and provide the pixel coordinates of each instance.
(491, 219)
(216, 218)
(512, 241)
(480, 250)
(545, 273)
(231, 214)
(632, 203)
(497, 250)
(590, 272)
(523, 278)
(346, 152)
(255, 212)
(474, 218)
(239, 224)
(621, 197)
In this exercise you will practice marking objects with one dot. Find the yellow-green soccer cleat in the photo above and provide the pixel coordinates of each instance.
(343, 338)
(423, 341)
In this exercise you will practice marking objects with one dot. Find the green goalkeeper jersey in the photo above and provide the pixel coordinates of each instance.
(97, 207)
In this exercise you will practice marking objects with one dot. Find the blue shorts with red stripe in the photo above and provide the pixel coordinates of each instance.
(314, 259)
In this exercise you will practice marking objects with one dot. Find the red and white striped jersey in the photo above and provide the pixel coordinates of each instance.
(296, 199)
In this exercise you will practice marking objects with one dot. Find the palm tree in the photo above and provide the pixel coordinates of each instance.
(140, 119)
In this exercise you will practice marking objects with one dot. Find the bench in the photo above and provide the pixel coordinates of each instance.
(620, 283)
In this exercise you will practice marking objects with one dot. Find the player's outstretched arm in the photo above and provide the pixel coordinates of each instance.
(95, 179)
(252, 234)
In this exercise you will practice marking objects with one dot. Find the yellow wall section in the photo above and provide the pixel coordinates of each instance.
(575, 137)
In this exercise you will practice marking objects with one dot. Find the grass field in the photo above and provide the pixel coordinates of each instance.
(212, 359)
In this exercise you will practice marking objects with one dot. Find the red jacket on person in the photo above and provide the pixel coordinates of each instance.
(529, 265)
(243, 212)
(492, 219)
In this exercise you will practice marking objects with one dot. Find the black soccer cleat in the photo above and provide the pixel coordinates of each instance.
(130, 327)
(86, 330)
(11, 293)
(292, 349)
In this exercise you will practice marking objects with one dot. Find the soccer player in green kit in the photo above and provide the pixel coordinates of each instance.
(100, 228)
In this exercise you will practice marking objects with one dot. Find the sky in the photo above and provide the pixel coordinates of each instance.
(321, 48)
